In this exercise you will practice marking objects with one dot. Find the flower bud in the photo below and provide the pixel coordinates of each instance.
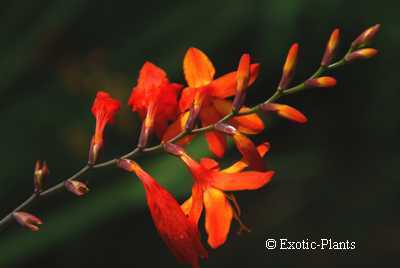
(364, 53)
(331, 48)
(94, 151)
(27, 220)
(289, 67)
(40, 174)
(201, 93)
(242, 81)
(365, 37)
(126, 164)
(173, 149)
(76, 187)
(225, 128)
(323, 81)
(285, 111)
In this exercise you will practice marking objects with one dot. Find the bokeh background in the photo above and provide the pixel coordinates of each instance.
(336, 176)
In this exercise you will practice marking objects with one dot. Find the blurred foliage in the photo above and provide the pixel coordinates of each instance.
(335, 176)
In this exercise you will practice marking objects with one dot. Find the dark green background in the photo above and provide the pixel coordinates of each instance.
(336, 176)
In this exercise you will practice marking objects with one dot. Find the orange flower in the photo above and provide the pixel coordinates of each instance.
(104, 109)
(181, 237)
(208, 190)
(155, 99)
(206, 98)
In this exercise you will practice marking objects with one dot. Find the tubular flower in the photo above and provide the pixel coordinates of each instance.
(208, 191)
(155, 99)
(205, 97)
(181, 237)
(104, 109)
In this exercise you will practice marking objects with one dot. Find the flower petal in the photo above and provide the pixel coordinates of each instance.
(197, 204)
(249, 151)
(187, 206)
(225, 86)
(216, 140)
(218, 216)
(177, 127)
(248, 180)
(199, 70)
(209, 163)
(248, 124)
(187, 98)
(262, 149)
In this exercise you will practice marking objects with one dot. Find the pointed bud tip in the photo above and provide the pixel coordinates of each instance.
(289, 66)
(366, 37)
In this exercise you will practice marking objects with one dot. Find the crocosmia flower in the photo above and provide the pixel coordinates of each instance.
(181, 237)
(155, 99)
(208, 190)
(206, 97)
(104, 109)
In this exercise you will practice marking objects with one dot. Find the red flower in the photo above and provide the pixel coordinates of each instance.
(155, 99)
(181, 237)
(208, 190)
(206, 97)
(104, 109)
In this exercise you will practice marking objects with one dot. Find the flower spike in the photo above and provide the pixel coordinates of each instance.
(27, 220)
(40, 174)
(364, 53)
(365, 37)
(181, 237)
(331, 48)
(104, 109)
(289, 67)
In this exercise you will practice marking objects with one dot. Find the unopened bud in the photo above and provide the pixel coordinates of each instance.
(94, 151)
(174, 149)
(125, 164)
(76, 187)
(364, 53)
(27, 220)
(225, 128)
(289, 67)
(365, 37)
(40, 174)
(285, 111)
(242, 81)
(331, 48)
(323, 81)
